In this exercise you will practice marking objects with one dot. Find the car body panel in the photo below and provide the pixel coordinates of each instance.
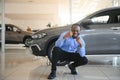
(100, 30)
(14, 34)
(102, 38)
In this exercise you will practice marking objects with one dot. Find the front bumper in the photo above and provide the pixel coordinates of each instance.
(38, 48)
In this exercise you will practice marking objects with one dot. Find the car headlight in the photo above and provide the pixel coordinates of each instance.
(41, 35)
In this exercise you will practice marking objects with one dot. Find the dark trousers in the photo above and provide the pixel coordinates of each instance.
(61, 55)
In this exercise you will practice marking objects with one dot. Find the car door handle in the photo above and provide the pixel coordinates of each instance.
(115, 28)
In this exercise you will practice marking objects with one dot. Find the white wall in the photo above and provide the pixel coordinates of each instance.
(7, 20)
(33, 24)
(38, 15)
(30, 8)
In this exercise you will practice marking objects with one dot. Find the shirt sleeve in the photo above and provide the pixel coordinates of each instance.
(82, 50)
(60, 40)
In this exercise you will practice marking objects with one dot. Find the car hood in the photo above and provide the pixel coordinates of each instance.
(55, 31)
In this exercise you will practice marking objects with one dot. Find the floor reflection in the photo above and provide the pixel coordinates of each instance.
(21, 64)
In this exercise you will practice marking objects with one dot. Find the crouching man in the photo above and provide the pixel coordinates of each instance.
(70, 46)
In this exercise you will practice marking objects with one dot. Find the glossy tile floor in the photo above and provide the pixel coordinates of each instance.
(22, 65)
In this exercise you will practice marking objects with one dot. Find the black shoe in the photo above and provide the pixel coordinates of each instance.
(52, 75)
(73, 70)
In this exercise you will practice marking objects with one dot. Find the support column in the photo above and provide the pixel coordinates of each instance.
(3, 42)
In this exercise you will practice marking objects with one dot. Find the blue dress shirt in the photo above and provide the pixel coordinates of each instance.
(71, 45)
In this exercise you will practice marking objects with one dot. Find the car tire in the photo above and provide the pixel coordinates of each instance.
(27, 41)
(59, 63)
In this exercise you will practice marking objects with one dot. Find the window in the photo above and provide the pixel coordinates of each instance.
(118, 18)
(100, 19)
(16, 29)
(9, 28)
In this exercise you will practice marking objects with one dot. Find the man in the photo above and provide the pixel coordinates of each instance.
(69, 47)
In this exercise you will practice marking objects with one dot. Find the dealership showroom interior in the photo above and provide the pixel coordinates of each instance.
(30, 31)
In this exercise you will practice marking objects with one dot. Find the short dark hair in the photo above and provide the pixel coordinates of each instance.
(75, 25)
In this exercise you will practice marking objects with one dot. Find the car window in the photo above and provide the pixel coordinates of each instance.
(100, 19)
(9, 28)
(15, 29)
(118, 18)
(104, 21)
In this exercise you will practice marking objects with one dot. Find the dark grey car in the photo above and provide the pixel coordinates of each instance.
(100, 30)
(14, 34)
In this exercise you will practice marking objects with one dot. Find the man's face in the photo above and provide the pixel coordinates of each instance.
(75, 31)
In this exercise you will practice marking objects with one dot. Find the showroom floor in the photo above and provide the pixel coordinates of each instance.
(22, 65)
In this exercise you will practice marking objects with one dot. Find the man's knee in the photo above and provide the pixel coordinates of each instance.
(85, 61)
(56, 50)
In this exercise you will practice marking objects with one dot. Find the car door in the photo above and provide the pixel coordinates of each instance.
(9, 38)
(13, 34)
(18, 34)
(102, 37)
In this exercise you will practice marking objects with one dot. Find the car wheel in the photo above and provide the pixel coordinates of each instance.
(50, 49)
(27, 41)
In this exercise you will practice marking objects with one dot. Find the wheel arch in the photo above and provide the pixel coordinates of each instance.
(50, 41)
(27, 36)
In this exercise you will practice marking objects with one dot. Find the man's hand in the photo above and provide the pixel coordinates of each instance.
(79, 41)
(68, 34)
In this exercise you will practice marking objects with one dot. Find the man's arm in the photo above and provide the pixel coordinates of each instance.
(68, 34)
(61, 39)
(82, 51)
(79, 42)
(81, 48)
